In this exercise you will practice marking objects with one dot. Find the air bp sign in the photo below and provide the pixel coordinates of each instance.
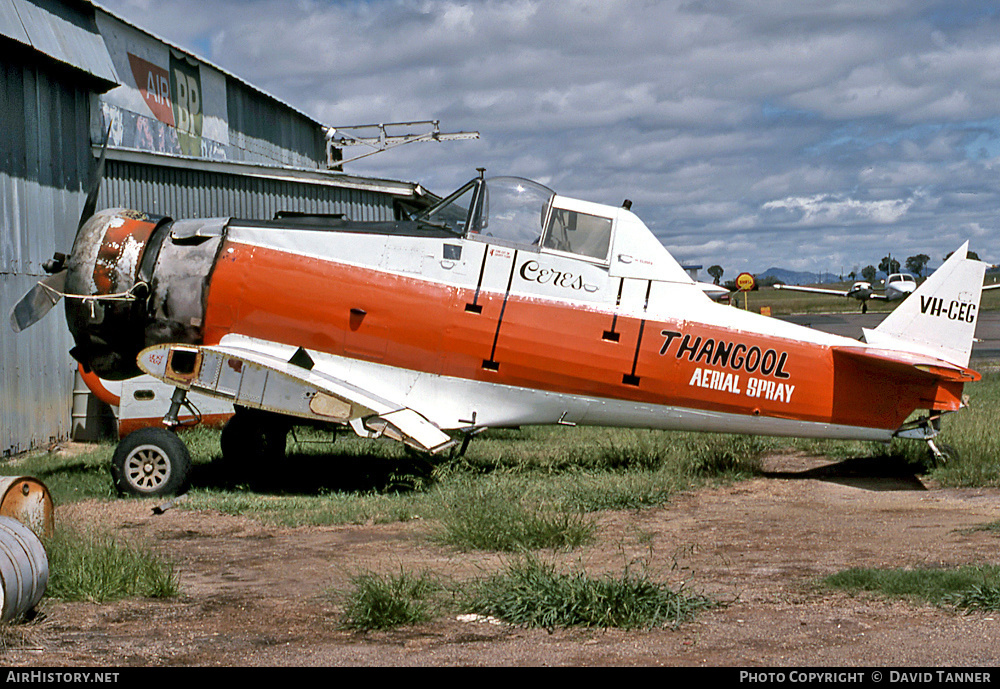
(745, 282)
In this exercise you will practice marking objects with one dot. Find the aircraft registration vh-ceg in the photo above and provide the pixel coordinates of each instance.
(504, 305)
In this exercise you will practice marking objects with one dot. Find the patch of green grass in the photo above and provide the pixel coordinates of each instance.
(320, 509)
(493, 514)
(968, 587)
(69, 477)
(980, 597)
(596, 491)
(379, 601)
(726, 455)
(972, 431)
(90, 565)
(993, 527)
(532, 593)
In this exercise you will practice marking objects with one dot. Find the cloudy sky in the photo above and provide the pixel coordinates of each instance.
(807, 134)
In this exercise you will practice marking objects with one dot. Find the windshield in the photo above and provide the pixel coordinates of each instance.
(454, 211)
(515, 209)
(509, 208)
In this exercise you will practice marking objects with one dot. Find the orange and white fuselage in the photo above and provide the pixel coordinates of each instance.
(539, 310)
(475, 331)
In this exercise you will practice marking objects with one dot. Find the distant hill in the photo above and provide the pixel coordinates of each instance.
(797, 277)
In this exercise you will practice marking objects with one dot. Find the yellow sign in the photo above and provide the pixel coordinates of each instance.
(745, 282)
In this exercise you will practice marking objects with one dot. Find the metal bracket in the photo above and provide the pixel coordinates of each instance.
(924, 428)
(382, 140)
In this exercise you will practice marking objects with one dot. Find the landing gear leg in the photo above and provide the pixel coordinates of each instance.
(153, 462)
(927, 429)
(177, 400)
(941, 453)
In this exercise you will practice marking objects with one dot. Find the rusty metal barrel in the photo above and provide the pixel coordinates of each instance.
(24, 569)
(27, 500)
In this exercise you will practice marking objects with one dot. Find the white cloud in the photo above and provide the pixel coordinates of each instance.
(832, 210)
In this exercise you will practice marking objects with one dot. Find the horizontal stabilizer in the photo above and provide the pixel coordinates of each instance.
(906, 362)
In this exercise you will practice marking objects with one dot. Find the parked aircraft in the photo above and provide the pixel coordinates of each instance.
(897, 286)
(506, 304)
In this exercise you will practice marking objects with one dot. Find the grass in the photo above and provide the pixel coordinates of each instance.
(972, 432)
(379, 601)
(90, 565)
(972, 587)
(496, 514)
(527, 592)
(532, 593)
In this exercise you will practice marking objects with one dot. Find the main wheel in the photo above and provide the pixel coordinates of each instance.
(151, 462)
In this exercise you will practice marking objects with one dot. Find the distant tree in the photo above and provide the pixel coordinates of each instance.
(916, 264)
(853, 275)
(889, 265)
(716, 272)
(972, 254)
(868, 273)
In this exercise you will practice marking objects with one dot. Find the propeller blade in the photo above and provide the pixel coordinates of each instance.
(95, 186)
(37, 302)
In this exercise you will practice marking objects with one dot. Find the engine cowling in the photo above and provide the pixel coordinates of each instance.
(135, 280)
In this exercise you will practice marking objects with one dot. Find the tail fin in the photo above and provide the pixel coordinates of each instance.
(939, 318)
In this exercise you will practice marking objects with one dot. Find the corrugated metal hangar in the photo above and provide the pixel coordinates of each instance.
(185, 139)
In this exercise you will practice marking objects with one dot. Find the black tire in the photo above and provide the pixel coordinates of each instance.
(253, 439)
(151, 462)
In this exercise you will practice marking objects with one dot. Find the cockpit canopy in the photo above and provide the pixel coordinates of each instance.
(522, 212)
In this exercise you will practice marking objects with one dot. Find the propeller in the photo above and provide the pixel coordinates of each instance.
(49, 290)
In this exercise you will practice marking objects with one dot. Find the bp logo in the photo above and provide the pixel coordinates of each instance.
(173, 96)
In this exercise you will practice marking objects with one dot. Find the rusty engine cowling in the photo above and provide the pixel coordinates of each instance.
(148, 281)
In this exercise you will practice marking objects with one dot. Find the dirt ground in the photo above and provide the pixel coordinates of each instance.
(259, 596)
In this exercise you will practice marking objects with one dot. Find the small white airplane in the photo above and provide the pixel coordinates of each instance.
(897, 286)
(504, 305)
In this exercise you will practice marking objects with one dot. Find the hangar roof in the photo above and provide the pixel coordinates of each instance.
(62, 30)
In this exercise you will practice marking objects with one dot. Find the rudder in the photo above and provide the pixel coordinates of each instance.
(939, 318)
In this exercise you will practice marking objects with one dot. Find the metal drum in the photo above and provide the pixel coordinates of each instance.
(27, 500)
(24, 569)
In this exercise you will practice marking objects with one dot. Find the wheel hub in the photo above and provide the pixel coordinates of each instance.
(147, 468)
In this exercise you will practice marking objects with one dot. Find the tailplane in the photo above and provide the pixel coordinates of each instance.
(939, 318)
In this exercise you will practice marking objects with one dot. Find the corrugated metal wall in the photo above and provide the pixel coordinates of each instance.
(262, 131)
(187, 193)
(45, 161)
